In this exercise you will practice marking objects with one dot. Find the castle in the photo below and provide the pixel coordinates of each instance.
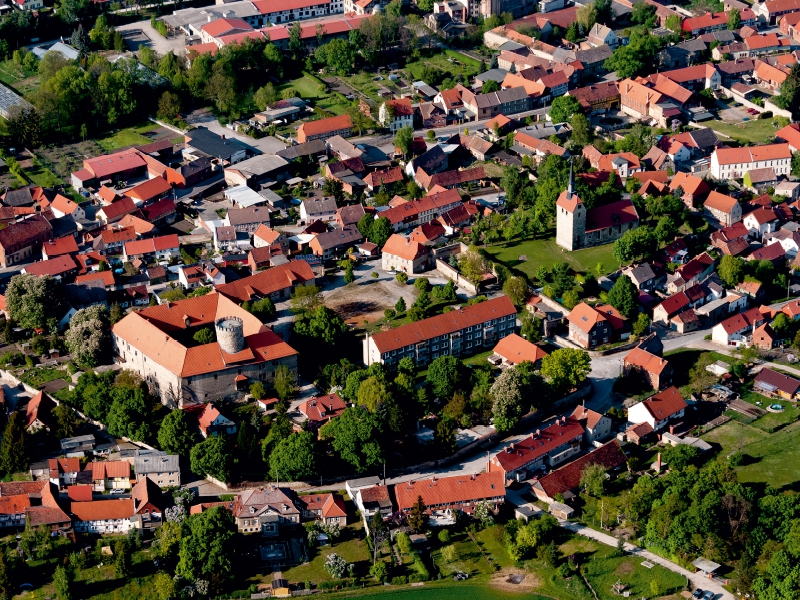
(577, 227)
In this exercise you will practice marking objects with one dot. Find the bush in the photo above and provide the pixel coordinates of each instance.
(401, 580)
(335, 584)
(418, 578)
(444, 536)
(564, 571)
(403, 542)
(767, 114)
(401, 277)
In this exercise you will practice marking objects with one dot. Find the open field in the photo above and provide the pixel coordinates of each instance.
(130, 136)
(772, 421)
(308, 89)
(20, 79)
(441, 62)
(770, 458)
(760, 131)
(42, 176)
(546, 252)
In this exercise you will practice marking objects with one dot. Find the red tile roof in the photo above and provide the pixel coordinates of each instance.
(120, 208)
(150, 189)
(536, 445)
(460, 489)
(80, 493)
(720, 202)
(102, 510)
(404, 248)
(322, 126)
(65, 245)
(665, 404)
(517, 349)
(323, 408)
(267, 282)
(644, 360)
(221, 26)
(151, 245)
(568, 478)
(110, 164)
(742, 321)
(616, 213)
(54, 266)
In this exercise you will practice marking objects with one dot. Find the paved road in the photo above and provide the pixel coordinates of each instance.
(697, 580)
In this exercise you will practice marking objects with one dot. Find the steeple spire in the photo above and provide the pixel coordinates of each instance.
(570, 189)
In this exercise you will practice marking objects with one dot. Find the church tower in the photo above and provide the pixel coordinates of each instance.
(570, 217)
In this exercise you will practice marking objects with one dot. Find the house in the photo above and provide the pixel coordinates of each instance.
(692, 272)
(731, 240)
(277, 283)
(114, 212)
(210, 421)
(388, 176)
(105, 517)
(63, 471)
(733, 163)
(244, 350)
(773, 253)
(446, 496)
(694, 189)
(596, 427)
(644, 277)
(164, 470)
(59, 267)
(247, 220)
(150, 191)
(62, 207)
(564, 480)
(711, 22)
(789, 189)
(200, 142)
(152, 249)
(39, 413)
(107, 475)
(24, 239)
(514, 349)
(775, 384)
(372, 499)
(639, 433)
(546, 448)
(656, 371)
(685, 321)
(269, 501)
(32, 503)
(738, 329)
(396, 114)
(126, 165)
(600, 34)
(761, 222)
(266, 237)
(765, 338)
(332, 244)
(723, 208)
(318, 209)
(659, 409)
(162, 212)
(148, 500)
(597, 98)
(458, 332)
(404, 255)
(588, 327)
(788, 240)
(328, 508)
(321, 409)
(323, 129)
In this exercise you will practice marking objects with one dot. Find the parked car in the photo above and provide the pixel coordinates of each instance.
(709, 595)
(698, 593)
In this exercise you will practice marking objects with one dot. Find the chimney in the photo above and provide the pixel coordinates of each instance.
(658, 463)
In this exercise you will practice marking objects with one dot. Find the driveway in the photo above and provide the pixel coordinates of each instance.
(141, 32)
(204, 117)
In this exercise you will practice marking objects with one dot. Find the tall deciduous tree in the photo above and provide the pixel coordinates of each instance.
(563, 108)
(176, 434)
(730, 270)
(212, 457)
(13, 457)
(33, 300)
(207, 548)
(623, 296)
(404, 139)
(507, 400)
(294, 458)
(355, 436)
(443, 376)
(566, 367)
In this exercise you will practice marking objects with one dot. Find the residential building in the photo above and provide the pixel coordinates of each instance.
(644, 276)
(209, 420)
(596, 427)
(694, 271)
(444, 497)
(733, 163)
(737, 330)
(404, 255)
(458, 332)
(598, 97)
(318, 209)
(332, 244)
(775, 384)
(63, 471)
(269, 501)
(104, 517)
(710, 22)
(565, 480)
(590, 327)
(327, 508)
(396, 114)
(658, 410)
(514, 349)
(24, 239)
(321, 409)
(112, 213)
(245, 350)
(372, 499)
(656, 371)
(546, 448)
(164, 471)
(600, 34)
(694, 189)
(153, 249)
(323, 129)
(247, 220)
(266, 237)
(277, 283)
(723, 208)
(39, 413)
(760, 222)
(107, 475)
(126, 165)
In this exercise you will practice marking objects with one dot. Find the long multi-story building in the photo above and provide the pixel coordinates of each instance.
(464, 331)
(733, 163)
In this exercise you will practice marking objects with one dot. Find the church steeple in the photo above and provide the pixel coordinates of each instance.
(570, 189)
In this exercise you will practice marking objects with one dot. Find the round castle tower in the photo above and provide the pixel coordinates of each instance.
(230, 334)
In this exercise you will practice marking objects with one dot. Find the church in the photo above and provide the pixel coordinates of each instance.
(577, 227)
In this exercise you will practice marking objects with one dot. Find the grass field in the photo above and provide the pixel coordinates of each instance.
(547, 253)
(755, 132)
(772, 421)
(130, 136)
(441, 62)
(353, 551)
(770, 458)
(308, 89)
(42, 176)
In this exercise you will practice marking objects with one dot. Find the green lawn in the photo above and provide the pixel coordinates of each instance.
(308, 89)
(478, 359)
(772, 421)
(40, 375)
(760, 131)
(467, 60)
(131, 136)
(449, 590)
(770, 458)
(440, 61)
(353, 550)
(42, 176)
(547, 253)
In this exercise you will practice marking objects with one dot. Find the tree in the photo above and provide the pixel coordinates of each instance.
(25, 126)
(265, 96)
(400, 305)
(605, 11)
(364, 224)
(169, 106)
(674, 23)
(636, 57)
(624, 296)
(212, 457)
(404, 139)
(730, 270)
(321, 323)
(33, 300)
(634, 243)
(294, 458)
(207, 547)
(258, 391)
(5, 578)
(122, 558)
(781, 324)
(378, 569)
(566, 367)
(355, 436)
(372, 391)
(490, 86)
(734, 19)
(66, 421)
(443, 376)
(306, 298)
(88, 338)
(62, 579)
(164, 586)
(176, 433)
(644, 14)
(264, 309)
(284, 382)
(417, 518)
(641, 325)
(295, 44)
(665, 229)
(13, 458)
(516, 288)
(680, 456)
(380, 231)
(335, 565)
(581, 130)
(129, 416)
(563, 108)
(204, 335)
(508, 403)
(593, 479)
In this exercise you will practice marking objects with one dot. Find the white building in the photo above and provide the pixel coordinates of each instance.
(733, 163)
(106, 517)
(318, 209)
(658, 409)
(165, 471)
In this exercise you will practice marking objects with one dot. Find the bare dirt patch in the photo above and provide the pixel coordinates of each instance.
(514, 580)
(357, 302)
(624, 568)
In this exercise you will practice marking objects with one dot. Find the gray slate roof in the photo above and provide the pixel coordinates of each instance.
(169, 463)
